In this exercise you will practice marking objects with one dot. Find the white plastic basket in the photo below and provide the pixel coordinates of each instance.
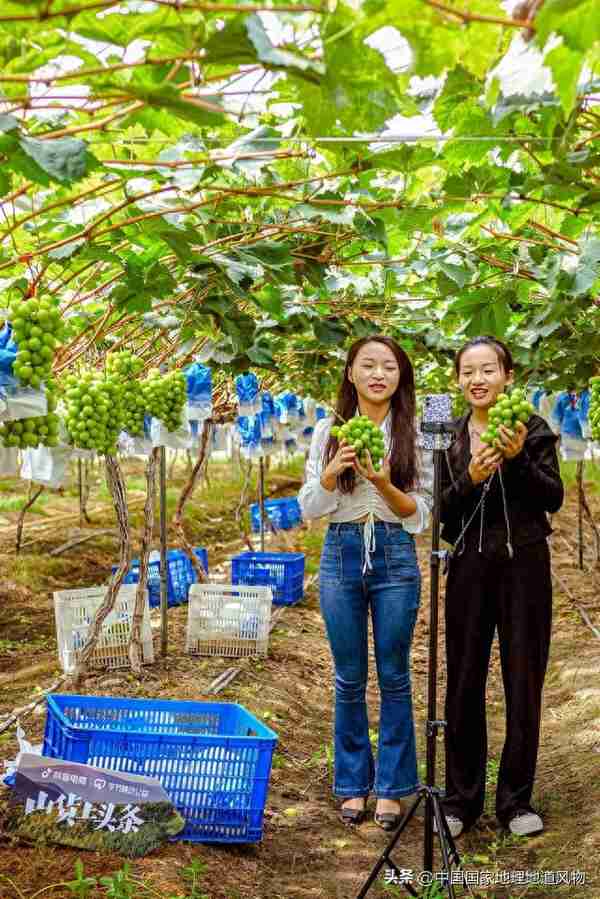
(228, 620)
(74, 612)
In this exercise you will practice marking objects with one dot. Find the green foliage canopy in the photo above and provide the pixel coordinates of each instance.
(193, 178)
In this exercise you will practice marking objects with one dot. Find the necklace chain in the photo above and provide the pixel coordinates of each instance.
(475, 431)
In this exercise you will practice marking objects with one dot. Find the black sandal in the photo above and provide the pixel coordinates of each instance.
(353, 815)
(388, 820)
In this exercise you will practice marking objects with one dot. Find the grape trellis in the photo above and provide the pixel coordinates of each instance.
(235, 184)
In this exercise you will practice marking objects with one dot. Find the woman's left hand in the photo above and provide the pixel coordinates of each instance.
(510, 443)
(380, 478)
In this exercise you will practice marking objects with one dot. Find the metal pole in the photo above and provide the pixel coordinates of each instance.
(261, 501)
(433, 651)
(580, 465)
(163, 550)
(80, 480)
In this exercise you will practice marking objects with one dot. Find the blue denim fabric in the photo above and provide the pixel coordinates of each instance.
(392, 590)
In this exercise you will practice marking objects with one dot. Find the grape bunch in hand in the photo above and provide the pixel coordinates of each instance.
(364, 437)
(507, 411)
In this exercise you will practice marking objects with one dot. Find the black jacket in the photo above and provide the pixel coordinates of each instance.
(532, 485)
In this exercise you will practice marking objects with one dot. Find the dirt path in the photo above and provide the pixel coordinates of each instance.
(306, 851)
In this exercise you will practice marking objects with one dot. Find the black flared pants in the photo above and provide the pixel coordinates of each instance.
(516, 597)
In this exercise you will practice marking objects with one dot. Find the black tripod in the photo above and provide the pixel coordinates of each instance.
(428, 793)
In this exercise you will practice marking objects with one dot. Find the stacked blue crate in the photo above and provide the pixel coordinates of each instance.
(282, 514)
(282, 572)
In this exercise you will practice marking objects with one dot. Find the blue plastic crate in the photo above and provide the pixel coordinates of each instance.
(213, 759)
(180, 576)
(283, 513)
(133, 575)
(181, 571)
(282, 572)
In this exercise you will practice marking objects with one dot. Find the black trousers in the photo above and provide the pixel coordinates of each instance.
(516, 597)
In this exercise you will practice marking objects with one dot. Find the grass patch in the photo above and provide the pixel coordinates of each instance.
(11, 485)
(15, 504)
(591, 474)
(33, 571)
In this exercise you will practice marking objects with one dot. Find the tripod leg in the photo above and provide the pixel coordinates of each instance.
(385, 859)
(454, 856)
(445, 841)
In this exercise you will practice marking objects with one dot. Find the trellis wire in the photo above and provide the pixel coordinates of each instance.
(354, 139)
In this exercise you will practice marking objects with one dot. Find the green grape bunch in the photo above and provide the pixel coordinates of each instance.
(594, 414)
(40, 430)
(94, 414)
(363, 436)
(459, 404)
(507, 411)
(165, 397)
(29, 433)
(37, 330)
(126, 368)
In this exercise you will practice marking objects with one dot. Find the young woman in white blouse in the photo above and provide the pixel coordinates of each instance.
(369, 561)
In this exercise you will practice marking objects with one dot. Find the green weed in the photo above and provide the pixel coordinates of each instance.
(491, 780)
(120, 885)
(82, 886)
(123, 884)
(193, 875)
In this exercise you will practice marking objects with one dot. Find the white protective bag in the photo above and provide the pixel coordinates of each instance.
(134, 446)
(23, 402)
(9, 461)
(221, 439)
(47, 465)
(573, 449)
(179, 439)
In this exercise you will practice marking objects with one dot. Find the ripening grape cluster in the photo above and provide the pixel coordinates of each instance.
(94, 415)
(507, 410)
(126, 368)
(36, 331)
(363, 435)
(40, 430)
(594, 414)
(165, 397)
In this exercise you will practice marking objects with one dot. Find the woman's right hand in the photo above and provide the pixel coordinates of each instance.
(484, 463)
(343, 459)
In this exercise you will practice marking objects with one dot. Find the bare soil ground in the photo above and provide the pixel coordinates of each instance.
(306, 851)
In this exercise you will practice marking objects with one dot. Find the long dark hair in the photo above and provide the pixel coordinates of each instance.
(505, 359)
(500, 349)
(403, 461)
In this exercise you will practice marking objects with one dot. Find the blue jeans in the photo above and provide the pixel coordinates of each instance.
(392, 589)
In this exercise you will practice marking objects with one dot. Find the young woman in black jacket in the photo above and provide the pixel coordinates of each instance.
(494, 505)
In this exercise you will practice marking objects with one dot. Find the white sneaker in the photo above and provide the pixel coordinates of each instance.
(524, 824)
(455, 825)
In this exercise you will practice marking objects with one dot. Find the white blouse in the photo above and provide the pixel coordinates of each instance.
(365, 500)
